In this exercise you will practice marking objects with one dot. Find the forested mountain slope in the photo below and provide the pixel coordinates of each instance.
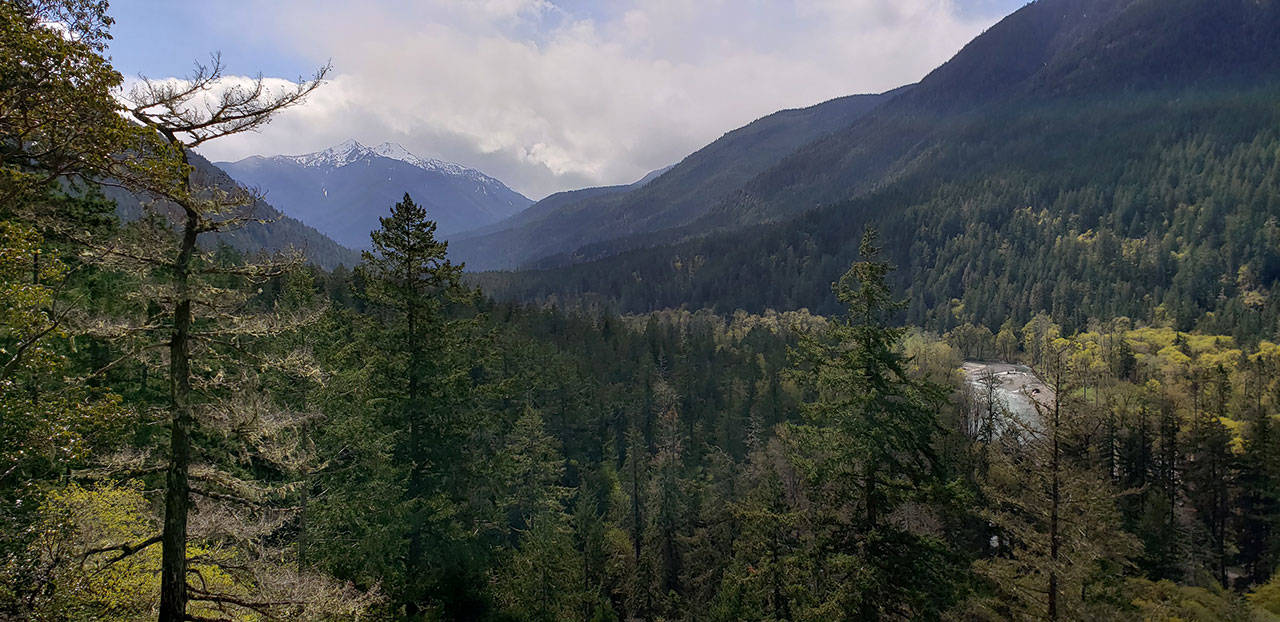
(683, 194)
(552, 203)
(1051, 50)
(277, 233)
(1132, 174)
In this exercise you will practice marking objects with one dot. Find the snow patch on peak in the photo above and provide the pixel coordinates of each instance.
(341, 154)
(395, 151)
(350, 151)
(346, 145)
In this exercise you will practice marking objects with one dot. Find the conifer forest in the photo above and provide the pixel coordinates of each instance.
(994, 348)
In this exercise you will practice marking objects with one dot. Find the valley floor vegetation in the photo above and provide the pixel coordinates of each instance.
(191, 432)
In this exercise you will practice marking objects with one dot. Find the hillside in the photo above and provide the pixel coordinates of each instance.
(553, 203)
(1049, 51)
(1131, 188)
(279, 233)
(343, 190)
(1052, 50)
(682, 195)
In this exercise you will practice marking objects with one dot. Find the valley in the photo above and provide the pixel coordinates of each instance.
(999, 344)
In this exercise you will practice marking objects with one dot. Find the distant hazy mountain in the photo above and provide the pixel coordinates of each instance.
(652, 175)
(343, 190)
(682, 194)
(560, 200)
(278, 233)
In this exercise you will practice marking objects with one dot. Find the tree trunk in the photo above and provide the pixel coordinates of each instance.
(417, 457)
(177, 499)
(1055, 498)
(872, 516)
(302, 521)
(635, 502)
(867, 609)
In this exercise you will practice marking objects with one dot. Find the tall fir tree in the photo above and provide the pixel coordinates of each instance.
(412, 285)
(201, 317)
(883, 425)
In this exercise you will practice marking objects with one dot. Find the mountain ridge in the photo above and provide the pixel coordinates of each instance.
(564, 223)
(273, 232)
(1047, 50)
(1067, 58)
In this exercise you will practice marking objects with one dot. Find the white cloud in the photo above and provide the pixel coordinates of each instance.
(548, 98)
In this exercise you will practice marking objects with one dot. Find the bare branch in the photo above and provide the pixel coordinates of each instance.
(123, 550)
(189, 111)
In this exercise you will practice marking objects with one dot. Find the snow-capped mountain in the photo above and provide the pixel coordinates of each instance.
(350, 151)
(343, 190)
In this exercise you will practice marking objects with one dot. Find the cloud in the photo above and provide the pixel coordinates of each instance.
(549, 96)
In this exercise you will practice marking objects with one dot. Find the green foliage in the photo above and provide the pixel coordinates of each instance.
(403, 486)
(875, 447)
(543, 579)
(1164, 601)
(1267, 597)
(93, 555)
(388, 430)
(77, 584)
(864, 390)
(58, 117)
(50, 424)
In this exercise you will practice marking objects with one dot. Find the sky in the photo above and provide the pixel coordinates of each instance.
(545, 95)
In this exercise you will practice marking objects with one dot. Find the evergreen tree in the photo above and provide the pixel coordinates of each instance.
(200, 315)
(662, 556)
(1210, 486)
(884, 425)
(412, 284)
(1258, 528)
(1258, 502)
(544, 578)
